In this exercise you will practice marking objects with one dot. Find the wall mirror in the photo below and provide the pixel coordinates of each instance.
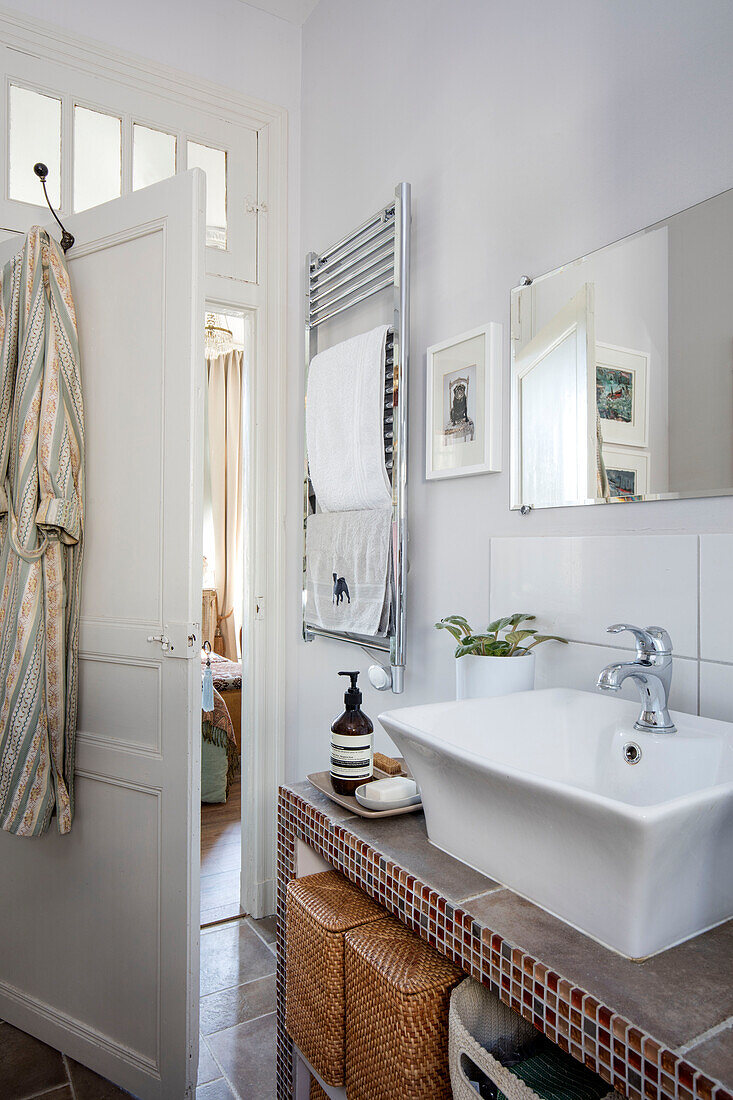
(622, 368)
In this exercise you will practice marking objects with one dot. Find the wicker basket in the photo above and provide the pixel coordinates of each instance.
(316, 1092)
(397, 996)
(320, 909)
(483, 1031)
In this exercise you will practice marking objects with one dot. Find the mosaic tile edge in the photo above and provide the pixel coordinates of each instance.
(608, 1044)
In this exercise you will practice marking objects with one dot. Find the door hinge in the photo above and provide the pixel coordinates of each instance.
(179, 639)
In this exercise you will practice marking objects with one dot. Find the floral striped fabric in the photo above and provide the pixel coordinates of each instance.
(41, 537)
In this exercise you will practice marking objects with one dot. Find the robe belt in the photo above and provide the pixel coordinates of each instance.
(26, 555)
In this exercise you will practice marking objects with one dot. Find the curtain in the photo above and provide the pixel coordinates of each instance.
(225, 463)
(41, 538)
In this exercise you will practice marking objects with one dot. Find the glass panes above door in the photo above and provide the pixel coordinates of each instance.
(214, 164)
(35, 135)
(153, 156)
(97, 157)
(97, 149)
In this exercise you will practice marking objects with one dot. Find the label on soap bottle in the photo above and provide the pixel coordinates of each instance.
(351, 755)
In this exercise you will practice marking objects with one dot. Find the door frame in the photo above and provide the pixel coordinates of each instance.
(264, 621)
(263, 608)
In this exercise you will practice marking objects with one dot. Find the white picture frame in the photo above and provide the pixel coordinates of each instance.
(627, 470)
(463, 404)
(624, 421)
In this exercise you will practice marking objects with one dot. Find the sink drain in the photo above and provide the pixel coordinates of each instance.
(632, 753)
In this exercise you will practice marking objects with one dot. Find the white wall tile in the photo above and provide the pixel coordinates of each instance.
(579, 586)
(577, 666)
(716, 597)
(716, 691)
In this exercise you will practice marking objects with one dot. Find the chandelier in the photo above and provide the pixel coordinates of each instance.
(219, 340)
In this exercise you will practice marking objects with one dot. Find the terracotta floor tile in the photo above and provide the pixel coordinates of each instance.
(208, 1069)
(27, 1065)
(88, 1085)
(235, 1006)
(246, 1053)
(232, 955)
(266, 927)
(215, 1090)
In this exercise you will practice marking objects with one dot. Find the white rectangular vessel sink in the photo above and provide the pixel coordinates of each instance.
(534, 790)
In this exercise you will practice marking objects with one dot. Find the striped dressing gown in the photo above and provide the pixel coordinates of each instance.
(41, 532)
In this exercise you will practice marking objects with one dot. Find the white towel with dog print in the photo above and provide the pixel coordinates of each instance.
(344, 425)
(348, 571)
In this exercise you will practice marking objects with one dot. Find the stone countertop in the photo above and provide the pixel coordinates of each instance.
(676, 1007)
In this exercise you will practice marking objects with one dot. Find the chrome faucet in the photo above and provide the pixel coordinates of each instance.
(652, 673)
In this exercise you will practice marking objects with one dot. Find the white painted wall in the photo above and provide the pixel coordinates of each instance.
(531, 134)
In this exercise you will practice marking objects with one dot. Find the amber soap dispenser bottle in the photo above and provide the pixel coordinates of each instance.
(352, 743)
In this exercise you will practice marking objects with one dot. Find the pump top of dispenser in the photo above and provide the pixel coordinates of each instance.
(352, 696)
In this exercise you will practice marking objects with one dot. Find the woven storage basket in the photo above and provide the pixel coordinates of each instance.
(316, 1092)
(397, 997)
(482, 1030)
(320, 909)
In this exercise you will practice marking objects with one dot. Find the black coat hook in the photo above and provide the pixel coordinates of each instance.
(67, 238)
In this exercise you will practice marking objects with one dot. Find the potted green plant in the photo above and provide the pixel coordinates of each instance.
(482, 668)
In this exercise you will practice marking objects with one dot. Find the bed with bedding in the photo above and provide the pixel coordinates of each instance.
(219, 753)
(227, 676)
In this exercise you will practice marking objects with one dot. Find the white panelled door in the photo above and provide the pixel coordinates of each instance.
(99, 929)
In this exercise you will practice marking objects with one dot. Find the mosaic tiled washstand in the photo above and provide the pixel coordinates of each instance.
(610, 1043)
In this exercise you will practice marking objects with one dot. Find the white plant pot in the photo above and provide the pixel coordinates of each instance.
(481, 677)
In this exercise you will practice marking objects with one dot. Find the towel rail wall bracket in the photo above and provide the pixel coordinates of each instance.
(373, 258)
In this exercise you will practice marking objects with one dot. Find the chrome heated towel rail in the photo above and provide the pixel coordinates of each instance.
(374, 258)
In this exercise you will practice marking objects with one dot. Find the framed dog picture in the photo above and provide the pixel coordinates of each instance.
(463, 429)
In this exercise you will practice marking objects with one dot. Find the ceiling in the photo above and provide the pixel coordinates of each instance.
(295, 11)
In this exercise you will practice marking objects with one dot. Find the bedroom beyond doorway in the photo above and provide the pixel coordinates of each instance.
(227, 344)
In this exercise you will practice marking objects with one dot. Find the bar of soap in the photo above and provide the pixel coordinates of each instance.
(390, 790)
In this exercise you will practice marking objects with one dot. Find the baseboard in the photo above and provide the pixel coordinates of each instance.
(261, 901)
(78, 1040)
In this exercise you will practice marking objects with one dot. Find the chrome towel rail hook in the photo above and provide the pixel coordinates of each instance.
(67, 238)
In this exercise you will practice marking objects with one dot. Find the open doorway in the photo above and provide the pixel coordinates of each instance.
(228, 350)
(237, 961)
